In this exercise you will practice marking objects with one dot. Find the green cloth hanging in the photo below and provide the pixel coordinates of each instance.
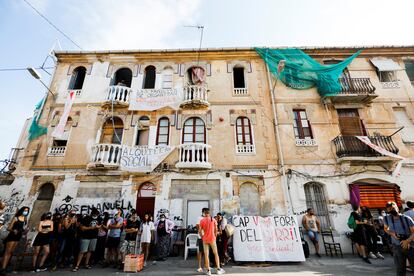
(35, 129)
(303, 72)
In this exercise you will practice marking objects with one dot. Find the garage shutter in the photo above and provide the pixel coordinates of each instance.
(376, 196)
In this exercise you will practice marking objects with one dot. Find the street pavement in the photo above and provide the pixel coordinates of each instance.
(349, 265)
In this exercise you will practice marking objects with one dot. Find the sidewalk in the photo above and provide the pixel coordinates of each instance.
(349, 265)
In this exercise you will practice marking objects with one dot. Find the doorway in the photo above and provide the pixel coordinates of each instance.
(42, 204)
(194, 208)
(349, 123)
(146, 200)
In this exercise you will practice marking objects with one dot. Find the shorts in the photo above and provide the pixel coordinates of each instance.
(313, 235)
(113, 242)
(87, 245)
(128, 247)
(200, 245)
(41, 239)
(207, 246)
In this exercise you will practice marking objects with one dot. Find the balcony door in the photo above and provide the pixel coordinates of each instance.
(194, 131)
(349, 123)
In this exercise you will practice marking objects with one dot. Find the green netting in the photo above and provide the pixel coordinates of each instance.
(303, 72)
(35, 129)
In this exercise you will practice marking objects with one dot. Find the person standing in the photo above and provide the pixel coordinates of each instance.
(222, 223)
(163, 232)
(147, 235)
(208, 233)
(42, 242)
(99, 256)
(68, 235)
(89, 227)
(200, 242)
(358, 236)
(131, 229)
(114, 238)
(312, 226)
(371, 234)
(16, 228)
(401, 229)
(410, 211)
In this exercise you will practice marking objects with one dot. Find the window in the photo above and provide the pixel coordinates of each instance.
(112, 131)
(196, 75)
(163, 131)
(301, 125)
(249, 200)
(142, 131)
(194, 131)
(315, 199)
(123, 77)
(238, 77)
(63, 141)
(402, 120)
(77, 79)
(387, 76)
(149, 78)
(243, 131)
(409, 68)
(167, 78)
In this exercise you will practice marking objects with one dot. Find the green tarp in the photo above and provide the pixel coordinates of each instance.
(303, 72)
(35, 129)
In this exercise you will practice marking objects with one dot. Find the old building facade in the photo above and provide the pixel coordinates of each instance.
(225, 148)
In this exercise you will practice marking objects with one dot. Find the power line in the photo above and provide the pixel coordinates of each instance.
(53, 25)
(22, 69)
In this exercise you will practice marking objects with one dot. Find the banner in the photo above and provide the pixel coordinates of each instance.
(275, 239)
(60, 128)
(143, 158)
(385, 152)
(153, 99)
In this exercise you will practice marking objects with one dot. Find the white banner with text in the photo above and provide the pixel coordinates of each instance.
(143, 158)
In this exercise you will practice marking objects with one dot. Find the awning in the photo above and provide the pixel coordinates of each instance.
(385, 64)
(376, 196)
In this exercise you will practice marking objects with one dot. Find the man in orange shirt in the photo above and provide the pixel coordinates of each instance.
(208, 233)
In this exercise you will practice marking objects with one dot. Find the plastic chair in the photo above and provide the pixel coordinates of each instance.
(190, 243)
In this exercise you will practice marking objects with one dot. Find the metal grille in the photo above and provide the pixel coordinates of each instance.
(315, 199)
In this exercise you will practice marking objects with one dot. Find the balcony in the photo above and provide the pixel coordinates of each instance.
(240, 92)
(354, 90)
(118, 95)
(350, 148)
(195, 96)
(193, 156)
(56, 151)
(245, 149)
(105, 156)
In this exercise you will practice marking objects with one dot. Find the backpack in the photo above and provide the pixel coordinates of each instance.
(351, 222)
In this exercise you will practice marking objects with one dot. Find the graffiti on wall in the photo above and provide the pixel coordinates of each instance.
(105, 206)
(12, 203)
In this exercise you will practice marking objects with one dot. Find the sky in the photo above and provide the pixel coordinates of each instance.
(26, 38)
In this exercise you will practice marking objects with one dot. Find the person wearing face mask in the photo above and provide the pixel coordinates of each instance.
(131, 229)
(358, 236)
(42, 242)
(89, 227)
(371, 234)
(401, 229)
(163, 231)
(114, 238)
(410, 211)
(16, 228)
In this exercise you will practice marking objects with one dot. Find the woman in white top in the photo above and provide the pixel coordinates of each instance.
(147, 234)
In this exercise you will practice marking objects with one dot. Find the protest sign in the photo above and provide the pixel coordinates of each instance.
(275, 239)
(153, 99)
(143, 158)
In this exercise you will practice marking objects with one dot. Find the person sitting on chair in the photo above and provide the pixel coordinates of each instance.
(312, 226)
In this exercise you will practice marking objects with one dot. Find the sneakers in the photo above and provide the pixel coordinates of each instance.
(220, 271)
(317, 255)
(200, 270)
(371, 255)
(379, 256)
(366, 260)
(208, 272)
(145, 263)
(40, 269)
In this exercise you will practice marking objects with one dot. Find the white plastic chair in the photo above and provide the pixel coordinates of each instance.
(190, 243)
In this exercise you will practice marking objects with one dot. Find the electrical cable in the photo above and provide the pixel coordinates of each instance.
(53, 25)
(24, 69)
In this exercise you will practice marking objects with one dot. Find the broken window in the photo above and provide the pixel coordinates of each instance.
(112, 131)
(142, 136)
(77, 79)
(149, 78)
(123, 77)
(238, 77)
(63, 141)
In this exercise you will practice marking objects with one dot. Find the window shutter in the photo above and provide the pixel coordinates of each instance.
(350, 126)
(310, 130)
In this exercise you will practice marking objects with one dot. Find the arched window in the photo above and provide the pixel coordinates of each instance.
(167, 78)
(196, 75)
(315, 199)
(142, 131)
(249, 200)
(163, 131)
(238, 77)
(63, 141)
(194, 131)
(77, 79)
(112, 131)
(123, 77)
(149, 78)
(147, 190)
(46, 192)
(243, 131)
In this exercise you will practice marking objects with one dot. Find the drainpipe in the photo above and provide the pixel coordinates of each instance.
(285, 185)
